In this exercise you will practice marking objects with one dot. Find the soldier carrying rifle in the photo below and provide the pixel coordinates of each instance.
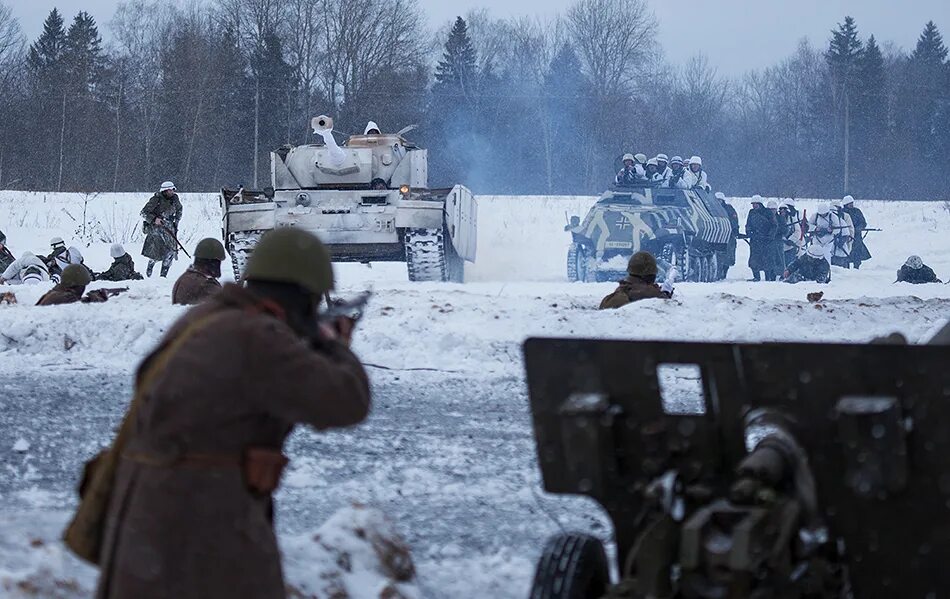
(161, 216)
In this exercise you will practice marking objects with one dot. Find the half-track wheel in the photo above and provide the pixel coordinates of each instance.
(572, 566)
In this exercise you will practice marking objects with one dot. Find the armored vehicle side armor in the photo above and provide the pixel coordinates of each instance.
(368, 200)
(685, 228)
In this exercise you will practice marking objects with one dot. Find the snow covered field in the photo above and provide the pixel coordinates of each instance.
(447, 451)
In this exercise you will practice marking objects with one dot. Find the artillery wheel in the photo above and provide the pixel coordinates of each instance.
(572, 566)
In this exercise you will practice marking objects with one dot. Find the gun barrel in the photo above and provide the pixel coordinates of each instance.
(323, 126)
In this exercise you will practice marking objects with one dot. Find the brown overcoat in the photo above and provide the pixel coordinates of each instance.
(61, 294)
(632, 289)
(243, 378)
(194, 287)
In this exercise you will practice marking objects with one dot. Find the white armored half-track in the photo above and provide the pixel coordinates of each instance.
(368, 200)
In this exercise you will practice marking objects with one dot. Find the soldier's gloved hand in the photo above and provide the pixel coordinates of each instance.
(340, 330)
(667, 287)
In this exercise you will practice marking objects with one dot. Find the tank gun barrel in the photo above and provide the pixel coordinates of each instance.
(323, 126)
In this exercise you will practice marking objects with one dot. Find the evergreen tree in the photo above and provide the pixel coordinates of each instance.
(46, 53)
(458, 70)
(844, 53)
(565, 91)
(278, 88)
(870, 122)
(930, 50)
(83, 55)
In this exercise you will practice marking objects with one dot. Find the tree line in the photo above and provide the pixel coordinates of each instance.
(201, 94)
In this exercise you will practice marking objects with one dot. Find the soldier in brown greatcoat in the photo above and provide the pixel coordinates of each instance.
(69, 290)
(190, 513)
(200, 281)
(639, 285)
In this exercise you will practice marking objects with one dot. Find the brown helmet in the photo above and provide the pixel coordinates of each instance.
(642, 264)
(210, 249)
(75, 275)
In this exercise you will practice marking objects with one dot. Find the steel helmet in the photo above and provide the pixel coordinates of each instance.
(75, 275)
(630, 157)
(696, 160)
(662, 158)
(848, 200)
(824, 208)
(641, 158)
(720, 196)
(209, 249)
(57, 241)
(642, 264)
(836, 204)
(116, 251)
(815, 250)
(291, 255)
(914, 262)
(652, 161)
(676, 160)
(773, 205)
(756, 199)
(166, 186)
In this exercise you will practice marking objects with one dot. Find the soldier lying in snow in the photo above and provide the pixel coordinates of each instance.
(122, 269)
(916, 272)
(639, 285)
(71, 286)
(25, 270)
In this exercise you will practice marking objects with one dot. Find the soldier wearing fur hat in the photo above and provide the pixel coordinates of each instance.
(640, 283)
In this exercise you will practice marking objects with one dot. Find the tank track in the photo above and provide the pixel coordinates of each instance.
(425, 255)
(240, 247)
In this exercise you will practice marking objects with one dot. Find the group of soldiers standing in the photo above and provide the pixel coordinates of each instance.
(66, 267)
(662, 171)
(789, 246)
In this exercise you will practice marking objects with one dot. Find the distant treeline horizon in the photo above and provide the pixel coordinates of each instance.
(201, 96)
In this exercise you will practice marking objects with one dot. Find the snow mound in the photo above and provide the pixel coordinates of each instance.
(356, 554)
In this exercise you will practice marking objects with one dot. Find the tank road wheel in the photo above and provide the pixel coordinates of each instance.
(572, 566)
(240, 247)
(431, 257)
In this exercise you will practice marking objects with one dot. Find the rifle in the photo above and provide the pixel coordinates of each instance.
(172, 235)
(354, 309)
(97, 296)
(864, 233)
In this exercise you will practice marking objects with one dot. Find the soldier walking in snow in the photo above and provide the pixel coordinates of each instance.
(859, 250)
(6, 258)
(200, 450)
(200, 281)
(122, 269)
(844, 237)
(760, 229)
(822, 226)
(161, 214)
(639, 285)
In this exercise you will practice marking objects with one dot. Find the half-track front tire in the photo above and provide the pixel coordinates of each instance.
(572, 566)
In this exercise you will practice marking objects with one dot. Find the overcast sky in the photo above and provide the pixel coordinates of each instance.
(737, 35)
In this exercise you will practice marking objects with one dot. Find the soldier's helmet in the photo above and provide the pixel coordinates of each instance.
(210, 249)
(290, 255)
(642, 264)
(167, 186)
(75, 275)
(116, 251)
(629, 157)
(914, 262)
(641, 158)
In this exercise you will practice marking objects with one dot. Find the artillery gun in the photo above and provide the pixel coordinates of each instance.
(685, 228)
(368, 200)
(732, 470)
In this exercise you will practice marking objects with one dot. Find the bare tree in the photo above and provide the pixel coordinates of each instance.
(306, 48)
(612, 37)
(12, 44)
